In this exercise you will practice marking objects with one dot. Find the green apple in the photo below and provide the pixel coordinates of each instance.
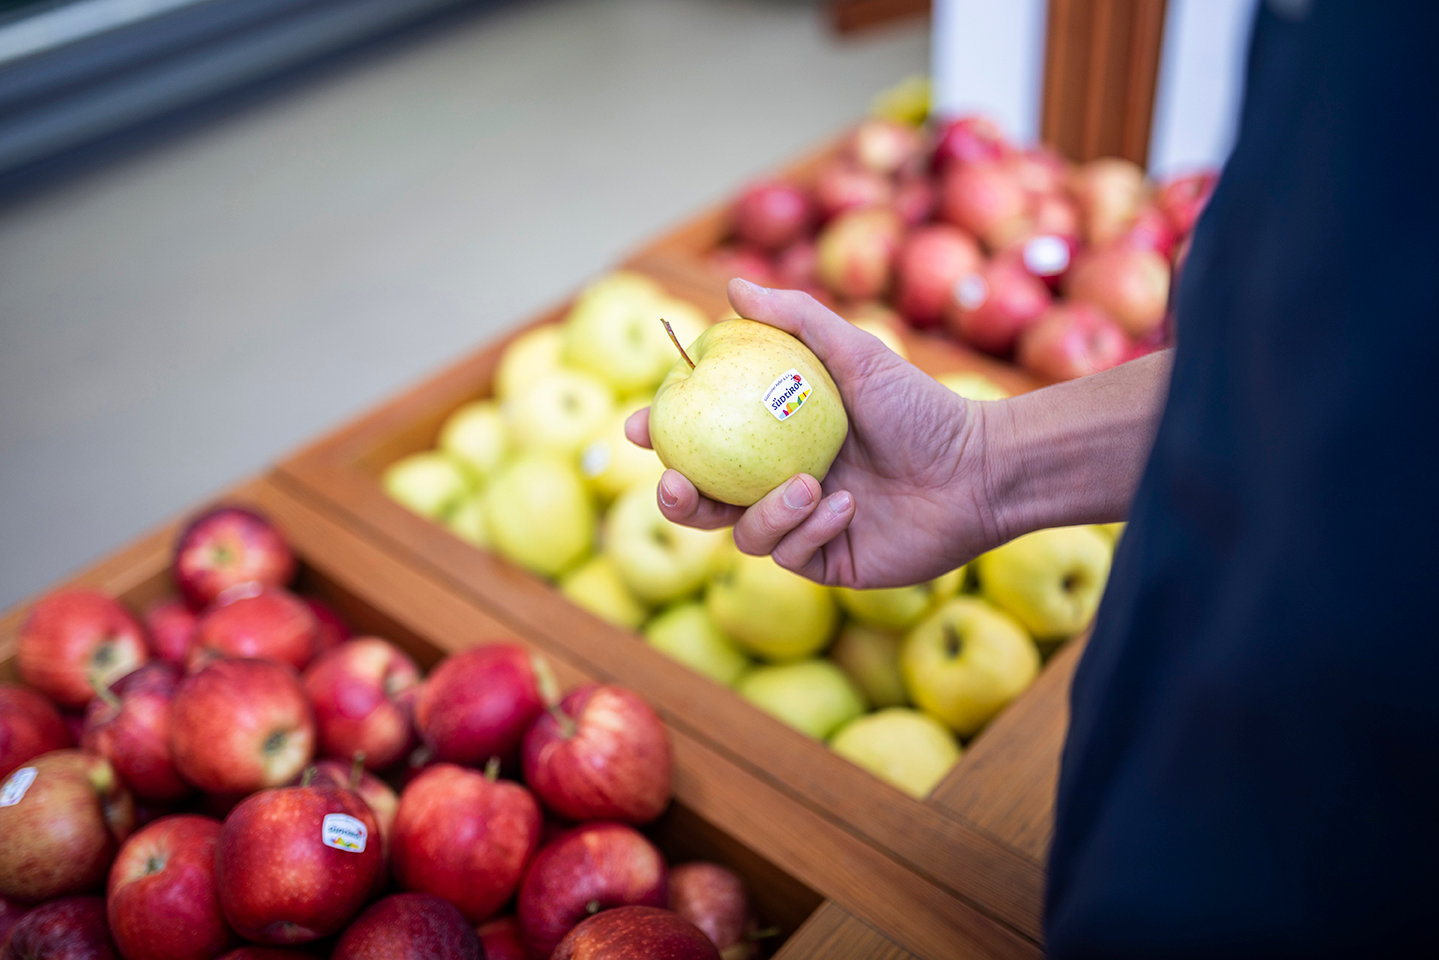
(870, 655)
(475, 434)
(613, 331)
(431, 483)
(558, 412)
(526, 358)
(756, 408)
(467, 521)
(886, 335)
(770, 612)
(813, 696)
(659, 560)
(899, 607)
(611, 463)
(539, 514)
(965, 661)
(689, 634)
(904, 747)
(973, 386)
(1050, 580)
(598, 587)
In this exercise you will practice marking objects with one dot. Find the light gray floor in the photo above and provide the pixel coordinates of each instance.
(185, 317)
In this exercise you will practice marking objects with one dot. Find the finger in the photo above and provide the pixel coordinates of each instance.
(775, 514)
(681, 503)
(637, 427)
(800, 549)
(829, 335)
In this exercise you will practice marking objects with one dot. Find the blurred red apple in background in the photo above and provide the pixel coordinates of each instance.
(714, 898)
(171, 625)
(162, 902)
(1182, 199)
(500, 936)
(1046, 257)
(10, 914)
(856, 252)
(1149, 230)
(239, 725)
(771, 214)
(915, 200)
(627, 933)
(987, 200)
(129, 725)
(72, 640)
(331, 630)
(477, 704)
(885, 146)
(930, 261)
(272, 624)
(735, 260)
(29, 726)
(968, 139)
(994, 304)
(63, 815)
(1128, 283)
(1040, 171)
(409, 926)
(840, 185)
(71, 928)
(251, 952)
(1109, 192)
(796, 267)
(226, 547)
(1071, 340)
(363, 693)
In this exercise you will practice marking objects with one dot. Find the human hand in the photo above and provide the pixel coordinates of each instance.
(904, 501)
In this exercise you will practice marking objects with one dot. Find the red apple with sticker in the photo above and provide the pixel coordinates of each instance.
(630, 932)
(229, 547)
(409, 926)
(1071, 339)
(1129, 284)
(478, 704)
(129, 724)
(30, 725)
(75, 639)
(771, 214)
(161, 900)
(70, 928)
(988, 201)
(363, 693)
(856, 252)
(272, 624)
(1046, 257)
(170, 624)
(993, 305)
(930, 261)
(381, 798)
(716, 899)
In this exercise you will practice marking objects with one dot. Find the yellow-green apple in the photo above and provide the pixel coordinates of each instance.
(558, 412)
(161, 900)
(898, 607)
(467, 521)
(658, 560)
(715, 898)
(70, 928)
(769, 611)
(363, 694)
(973, 386)
(129, 725)
(586, 869)
(1071, 339)
(63, 815)
(755, 408)
(931, 260)
(904, 747)
(229, 546)
(870, 656)
(814, 696)
(74, 640)
(29, 726)
(500, 936)
(464, 836)
(1049, 580)
(690, 635)
(431, 483)
(994, 304)
(538, 513)
(239, 725)
(295, 864)
(987, 200)
(1113, 531)
(409, 926)
(596, 585)
(477, 704)
(383, 802)
(629, 932)
(1128, 283)
(475, 434)
(601, 753)
(771, 214)
(966, 661)
(855, 252)
(526, 358)
(970, 138)
(885, 146)
(841, 186)
(170, 625)
(611, 463)
(882, 323)
(1184, 197)
(1109, 192)
(273, 624)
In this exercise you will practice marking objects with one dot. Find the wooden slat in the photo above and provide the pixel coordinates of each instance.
(852, 16)
(835, 934)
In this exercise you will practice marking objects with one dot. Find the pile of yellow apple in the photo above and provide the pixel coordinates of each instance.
(896, 680)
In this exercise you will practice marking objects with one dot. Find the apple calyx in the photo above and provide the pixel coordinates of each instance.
(154, 864)
(676, 341)
(952, 642)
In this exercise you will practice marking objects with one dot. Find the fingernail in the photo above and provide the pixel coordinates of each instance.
(797, 494)
(840, 502)
(754, 287)
(668, 497)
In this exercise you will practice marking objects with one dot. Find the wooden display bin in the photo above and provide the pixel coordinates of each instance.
(980, 837)
(827, 893)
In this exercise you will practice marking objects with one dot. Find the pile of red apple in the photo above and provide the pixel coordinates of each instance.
(1062, 268)
(233, 775)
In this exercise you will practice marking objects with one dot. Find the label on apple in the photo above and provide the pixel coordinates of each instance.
(787, 394)
(15, 787)
(343, 832)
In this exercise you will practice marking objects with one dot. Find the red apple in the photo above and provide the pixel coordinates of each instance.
(987, 200)
(600, 754)
(477, 704)
(968, 139)
(886, 147)
(331, 630)
(162, 900)
(500, 936)
(129, 725)
(29, 726)
(295, 864)
(266, 953)
(228, 547)
(856, 252)
(1047, 257)
(11, 912)
(71, 928)
(1071, 340)
(625, 933)
(796, 267)
(464, 836)
(1182, 199)
(74, 639)
(272, 624)
(381, 797)
(992, 305)
(733, 260)
(1149, 230)
(915, 200)
(363, 693)
(63, 816)
(171, 625)
(1040, 170)
(931, 259)
(839, 185)
(1109, 192)
(409, 926)
(592, 867)
(772, 214)
(239, 725)
(714, 898)
(1128, 283)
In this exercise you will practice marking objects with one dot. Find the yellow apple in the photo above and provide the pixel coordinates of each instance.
(904, 747)
(475, 434)
(1050, 580)
(598, 587)
(539, 514)
(973, 386)
(611, 463)
(813, 696)
(431, 483)
(526, 358)
(558, 412)
(658, 560)
(770, 612)
(899, 607)
(870, 655)
(689, 634)
(467, 521)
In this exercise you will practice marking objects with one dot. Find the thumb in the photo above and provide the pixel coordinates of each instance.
(835, 340)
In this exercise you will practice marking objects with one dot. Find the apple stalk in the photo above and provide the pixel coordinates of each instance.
(676, 341)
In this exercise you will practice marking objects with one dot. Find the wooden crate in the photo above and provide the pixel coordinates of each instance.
(828, 893)
(981, 836)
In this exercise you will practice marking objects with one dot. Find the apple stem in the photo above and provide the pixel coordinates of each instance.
(492, 769)
(308, 775)
(763, 933)
(545, 682)
(566, 723)
(106, 695)
(357, 768)
(676, 341)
